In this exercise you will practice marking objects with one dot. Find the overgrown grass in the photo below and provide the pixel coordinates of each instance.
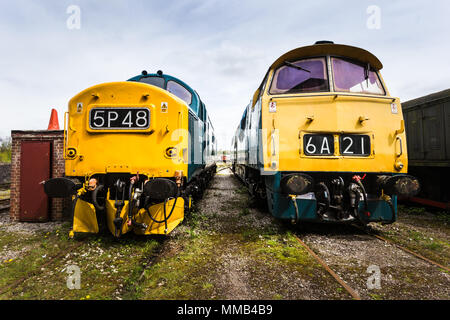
(286, 249)
(411, 209)
(109, 268)
(432, 245)
(185, 275)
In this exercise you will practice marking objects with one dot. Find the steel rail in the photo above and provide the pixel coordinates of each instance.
(405, 249)
(352, 292)
(4, 204)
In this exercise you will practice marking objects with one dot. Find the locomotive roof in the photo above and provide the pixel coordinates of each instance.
(195, 97)
(326, 48)
(330, 49)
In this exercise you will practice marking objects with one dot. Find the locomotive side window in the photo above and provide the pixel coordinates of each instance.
(354, 77)
(155, 81)
(308, 75)
(180, 91)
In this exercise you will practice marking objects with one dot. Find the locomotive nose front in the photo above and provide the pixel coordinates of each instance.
(125, 127)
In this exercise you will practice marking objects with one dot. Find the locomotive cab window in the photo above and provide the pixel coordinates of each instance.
(350, 76)
(155, 81)
(307, 75)
(180, 91)
(244, 119)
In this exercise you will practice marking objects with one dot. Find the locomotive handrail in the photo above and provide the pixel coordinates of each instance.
(273, 142)
(401, 147)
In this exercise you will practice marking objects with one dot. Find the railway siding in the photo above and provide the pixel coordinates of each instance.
(422, 232)
(226, 249)
(354, 256)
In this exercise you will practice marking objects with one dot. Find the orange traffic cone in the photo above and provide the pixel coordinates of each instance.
(53, 123)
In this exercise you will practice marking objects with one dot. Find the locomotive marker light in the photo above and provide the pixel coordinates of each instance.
(171, 152)
(71, 153)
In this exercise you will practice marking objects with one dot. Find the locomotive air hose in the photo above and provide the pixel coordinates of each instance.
(130, 201)
(327, 197)
(366, 206)
(357, 199)
(94, 198)
(165, 218)
(294, 200)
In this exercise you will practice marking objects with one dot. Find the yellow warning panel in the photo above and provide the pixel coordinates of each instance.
(84, 217)
(157, 225)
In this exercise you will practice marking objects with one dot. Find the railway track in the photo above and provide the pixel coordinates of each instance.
(351, 291)
(4, 204)
(5, 186)
(369, 232)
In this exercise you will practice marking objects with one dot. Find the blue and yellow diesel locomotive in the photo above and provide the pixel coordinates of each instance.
(322, 140)
(136, 152)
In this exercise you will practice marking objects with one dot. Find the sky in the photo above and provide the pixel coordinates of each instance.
(222, 49)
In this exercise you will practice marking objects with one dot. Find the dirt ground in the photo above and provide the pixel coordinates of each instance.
(227, 249)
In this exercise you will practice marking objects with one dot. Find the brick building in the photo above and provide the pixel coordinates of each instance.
(53, 139)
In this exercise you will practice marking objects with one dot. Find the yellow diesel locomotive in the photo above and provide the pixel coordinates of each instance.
(322, 140)
(136, 153)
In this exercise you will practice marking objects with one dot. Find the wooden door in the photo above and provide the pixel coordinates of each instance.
(34, 169)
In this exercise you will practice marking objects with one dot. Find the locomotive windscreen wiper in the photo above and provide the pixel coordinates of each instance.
(290, 64)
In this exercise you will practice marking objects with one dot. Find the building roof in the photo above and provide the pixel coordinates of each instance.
(440, 95)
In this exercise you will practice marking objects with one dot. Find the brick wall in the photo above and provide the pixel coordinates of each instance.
(58, 207)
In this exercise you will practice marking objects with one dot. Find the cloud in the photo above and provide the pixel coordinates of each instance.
(221, 48)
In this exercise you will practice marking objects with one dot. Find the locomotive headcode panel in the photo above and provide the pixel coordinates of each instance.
(325, 140)
(318, 144)
(104, 118)
(354, 144)
(131, 164)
